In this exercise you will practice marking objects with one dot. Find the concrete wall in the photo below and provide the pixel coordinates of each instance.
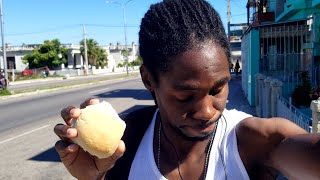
(298, 9)
(250, 63)
(74, 57)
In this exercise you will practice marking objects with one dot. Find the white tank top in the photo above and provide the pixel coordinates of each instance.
(224, 162)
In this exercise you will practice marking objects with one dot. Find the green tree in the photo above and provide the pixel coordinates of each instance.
(136, 62)
(47, 54)
(125, 53)
(102, 59)
(96, 55)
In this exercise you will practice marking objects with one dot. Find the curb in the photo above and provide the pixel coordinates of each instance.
(61, 78)
(37, 92)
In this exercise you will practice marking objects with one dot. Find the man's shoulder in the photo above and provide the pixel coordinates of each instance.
(233, 117)
(258, 137)
(265, 127)
(141, 115)
(266, 133)
(137, 122)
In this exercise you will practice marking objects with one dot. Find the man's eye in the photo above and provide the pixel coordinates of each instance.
(214, 92)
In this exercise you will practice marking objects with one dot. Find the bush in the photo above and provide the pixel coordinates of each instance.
(301, 94)
(315, 93)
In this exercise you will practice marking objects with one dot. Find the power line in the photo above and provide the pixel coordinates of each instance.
(234, 15)
(238, 15)
(69, 27)
(108, 25)
(44, 31)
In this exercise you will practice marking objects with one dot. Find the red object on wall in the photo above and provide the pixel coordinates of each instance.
(27, 72)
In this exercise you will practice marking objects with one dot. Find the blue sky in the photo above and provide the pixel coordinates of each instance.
(33, 21)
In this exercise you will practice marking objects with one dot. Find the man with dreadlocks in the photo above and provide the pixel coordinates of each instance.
(189, 134)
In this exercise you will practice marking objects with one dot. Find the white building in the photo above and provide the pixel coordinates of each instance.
(74, 57)
(14, 57)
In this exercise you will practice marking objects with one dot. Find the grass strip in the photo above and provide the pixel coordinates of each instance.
(5, 92)
(64, 85)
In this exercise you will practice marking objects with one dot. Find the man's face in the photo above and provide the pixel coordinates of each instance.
(192, 94)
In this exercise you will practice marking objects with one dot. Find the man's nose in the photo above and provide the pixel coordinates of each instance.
(204, 109)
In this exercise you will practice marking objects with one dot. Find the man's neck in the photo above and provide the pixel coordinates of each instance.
(184, 147)
(175, 152)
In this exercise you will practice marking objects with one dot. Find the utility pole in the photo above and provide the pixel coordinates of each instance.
(85, 50)
(124, 6)
(3, 45)
(125, 35)
(229, 16)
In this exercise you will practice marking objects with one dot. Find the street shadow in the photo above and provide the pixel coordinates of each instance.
(51, 154)
(138, 94)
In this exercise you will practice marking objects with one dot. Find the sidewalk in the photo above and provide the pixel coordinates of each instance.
(236, 98)
(60, 78)
(38, 86)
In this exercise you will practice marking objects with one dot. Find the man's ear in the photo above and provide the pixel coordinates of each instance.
(146, 78)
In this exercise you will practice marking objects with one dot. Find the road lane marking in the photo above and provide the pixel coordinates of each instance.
(100, 90)
(15, 137)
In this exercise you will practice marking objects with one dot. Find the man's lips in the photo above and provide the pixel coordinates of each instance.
(199, 126)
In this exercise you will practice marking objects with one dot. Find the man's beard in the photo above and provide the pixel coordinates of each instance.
(194, 139)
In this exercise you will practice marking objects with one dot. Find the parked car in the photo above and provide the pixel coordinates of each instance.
(27, 72)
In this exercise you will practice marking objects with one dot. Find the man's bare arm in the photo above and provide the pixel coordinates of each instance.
(279, 144)
(298, 157)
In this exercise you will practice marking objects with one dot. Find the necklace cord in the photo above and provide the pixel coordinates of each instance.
(175, 151)
(208, 149)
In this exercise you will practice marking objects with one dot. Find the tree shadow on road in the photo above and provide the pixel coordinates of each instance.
(139, 94)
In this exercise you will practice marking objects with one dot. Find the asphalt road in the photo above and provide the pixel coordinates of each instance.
(26, 125)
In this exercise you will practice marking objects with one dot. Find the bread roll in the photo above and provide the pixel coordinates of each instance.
(99, 129)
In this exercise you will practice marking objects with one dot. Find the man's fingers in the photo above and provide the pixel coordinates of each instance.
(88, 102)
(70, 113)
(110, 161)
(65, 132)
(64, 148)
(119, 152)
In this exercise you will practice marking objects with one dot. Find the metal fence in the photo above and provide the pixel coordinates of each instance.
(284, 55)
(285, 109)
(264, 102)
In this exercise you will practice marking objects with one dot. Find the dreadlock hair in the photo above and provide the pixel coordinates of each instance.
(174, 26)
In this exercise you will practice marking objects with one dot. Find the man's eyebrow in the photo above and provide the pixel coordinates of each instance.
(222, 81)
(218, 83)
(185, 87)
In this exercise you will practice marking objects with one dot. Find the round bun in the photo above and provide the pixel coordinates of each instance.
(99, 129)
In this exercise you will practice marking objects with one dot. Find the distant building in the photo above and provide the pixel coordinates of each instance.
(235, 45)
(74, 57)
(15, 54)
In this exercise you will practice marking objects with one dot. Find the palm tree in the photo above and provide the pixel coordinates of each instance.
(96, 55)
(92, 46)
